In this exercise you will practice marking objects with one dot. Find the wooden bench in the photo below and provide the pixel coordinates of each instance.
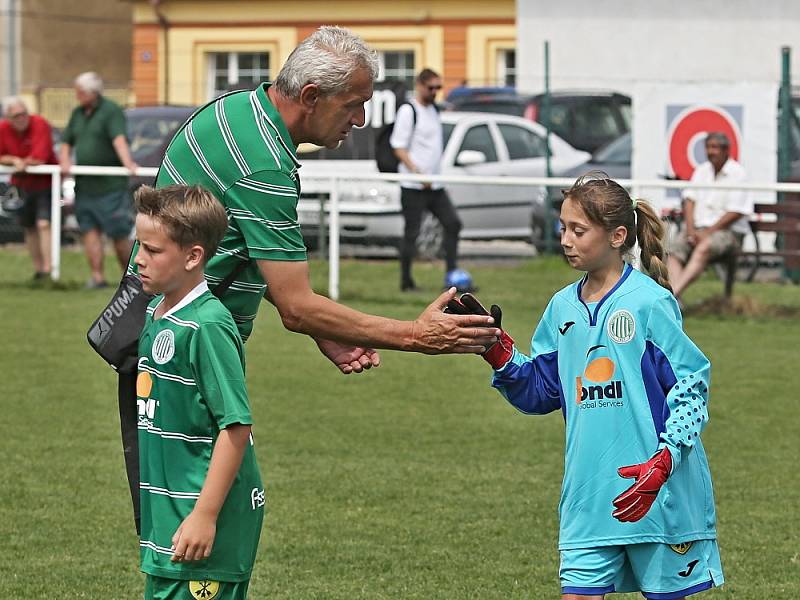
(783, 218)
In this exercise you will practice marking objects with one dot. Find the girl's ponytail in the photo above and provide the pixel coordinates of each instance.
(650, 234)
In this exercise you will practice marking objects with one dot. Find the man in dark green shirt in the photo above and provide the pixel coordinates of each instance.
(97, 133)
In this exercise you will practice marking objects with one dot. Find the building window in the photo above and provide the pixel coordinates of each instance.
(507, 67)
(397, 66)
(236, 70)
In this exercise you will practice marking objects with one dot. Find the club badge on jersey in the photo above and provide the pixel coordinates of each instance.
(621, 327)
(163, 346)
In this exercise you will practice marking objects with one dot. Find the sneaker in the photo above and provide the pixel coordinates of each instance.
(39, 275)
(409, 286)
(96, 285)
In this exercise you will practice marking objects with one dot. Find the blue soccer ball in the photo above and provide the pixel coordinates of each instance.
(459, 279)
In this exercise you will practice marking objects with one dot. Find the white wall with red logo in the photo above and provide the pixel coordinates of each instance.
(671, 121)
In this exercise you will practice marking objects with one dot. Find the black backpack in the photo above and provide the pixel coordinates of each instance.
(384, 153)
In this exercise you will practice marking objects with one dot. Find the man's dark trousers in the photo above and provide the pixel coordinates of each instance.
(414, 204)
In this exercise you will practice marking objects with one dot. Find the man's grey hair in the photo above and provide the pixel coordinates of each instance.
(328, 58)
(10, 102)
(720, 138)
(89, 82)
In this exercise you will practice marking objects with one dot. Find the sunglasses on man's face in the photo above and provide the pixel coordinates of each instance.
(434, 88)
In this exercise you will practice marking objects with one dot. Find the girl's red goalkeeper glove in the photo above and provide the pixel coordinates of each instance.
(499, 353)
(633, 504)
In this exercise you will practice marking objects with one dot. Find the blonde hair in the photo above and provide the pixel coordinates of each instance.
(608, 204)
(190, 214)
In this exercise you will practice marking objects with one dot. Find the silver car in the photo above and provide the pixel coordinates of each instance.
(480, 144)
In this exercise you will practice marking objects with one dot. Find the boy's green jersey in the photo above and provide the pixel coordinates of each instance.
(190, 387)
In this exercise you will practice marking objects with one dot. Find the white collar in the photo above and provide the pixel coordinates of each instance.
(725, 171)
(726, 168)
(199, 290)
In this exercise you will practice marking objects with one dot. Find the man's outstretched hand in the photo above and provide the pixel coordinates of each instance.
(349, 359)
(633, 504)
(437, 332)
(497, 354)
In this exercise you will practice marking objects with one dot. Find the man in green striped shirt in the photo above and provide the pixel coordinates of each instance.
(241, 147)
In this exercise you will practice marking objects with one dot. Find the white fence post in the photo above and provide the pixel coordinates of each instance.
(333, 240)
(55, 225)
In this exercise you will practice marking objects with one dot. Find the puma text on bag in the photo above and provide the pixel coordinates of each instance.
(114, 335)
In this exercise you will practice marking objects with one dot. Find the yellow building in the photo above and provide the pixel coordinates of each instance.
(189, 51)
(45, 44)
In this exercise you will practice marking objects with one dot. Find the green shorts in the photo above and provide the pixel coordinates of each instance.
(161, 588)
(657, 571)
(111, 213)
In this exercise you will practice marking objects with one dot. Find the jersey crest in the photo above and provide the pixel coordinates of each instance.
(621, 327)
(163, 347)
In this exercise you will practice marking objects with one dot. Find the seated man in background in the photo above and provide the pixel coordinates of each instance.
(715, 221)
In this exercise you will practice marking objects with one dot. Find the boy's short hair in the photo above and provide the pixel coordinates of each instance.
(189, 213)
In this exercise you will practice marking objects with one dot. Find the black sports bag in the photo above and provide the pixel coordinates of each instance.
(114, 335)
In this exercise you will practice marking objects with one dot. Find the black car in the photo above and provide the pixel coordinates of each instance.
(587, 120)
(150, 130)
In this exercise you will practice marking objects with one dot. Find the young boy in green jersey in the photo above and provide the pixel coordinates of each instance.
(202, 498)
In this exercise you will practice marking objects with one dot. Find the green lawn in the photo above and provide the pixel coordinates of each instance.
(413, 481)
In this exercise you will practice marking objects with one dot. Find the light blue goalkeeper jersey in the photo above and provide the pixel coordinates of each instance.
(628, 381)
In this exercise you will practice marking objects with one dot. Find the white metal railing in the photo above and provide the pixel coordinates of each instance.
(334, 192)
(55, 198)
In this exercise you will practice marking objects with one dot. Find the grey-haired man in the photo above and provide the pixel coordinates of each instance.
(97, 133)
(715, 221)
(241, 147)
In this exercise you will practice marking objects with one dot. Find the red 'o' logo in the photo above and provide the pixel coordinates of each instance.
(689, 128)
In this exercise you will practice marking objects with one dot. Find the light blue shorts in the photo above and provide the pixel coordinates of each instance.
(658, 571)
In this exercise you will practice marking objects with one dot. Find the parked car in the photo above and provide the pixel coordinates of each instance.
(150, 130)
(587, 120)
(613, 159)
(475, 144)
(10, 204)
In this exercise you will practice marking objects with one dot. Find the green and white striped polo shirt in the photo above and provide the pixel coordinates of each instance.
(238, 148)
(190, 386)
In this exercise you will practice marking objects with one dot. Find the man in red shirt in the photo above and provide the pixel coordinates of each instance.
(26, 140)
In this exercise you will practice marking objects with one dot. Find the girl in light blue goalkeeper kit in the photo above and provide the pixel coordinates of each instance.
(637, 508)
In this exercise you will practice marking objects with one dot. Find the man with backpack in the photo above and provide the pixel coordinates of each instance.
(417, 142)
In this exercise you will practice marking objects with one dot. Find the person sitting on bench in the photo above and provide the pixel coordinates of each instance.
(715, 221)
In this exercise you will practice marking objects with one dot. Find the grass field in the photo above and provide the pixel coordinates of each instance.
(414, 481)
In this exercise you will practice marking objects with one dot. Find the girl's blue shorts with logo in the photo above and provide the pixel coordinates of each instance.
(658, 571)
